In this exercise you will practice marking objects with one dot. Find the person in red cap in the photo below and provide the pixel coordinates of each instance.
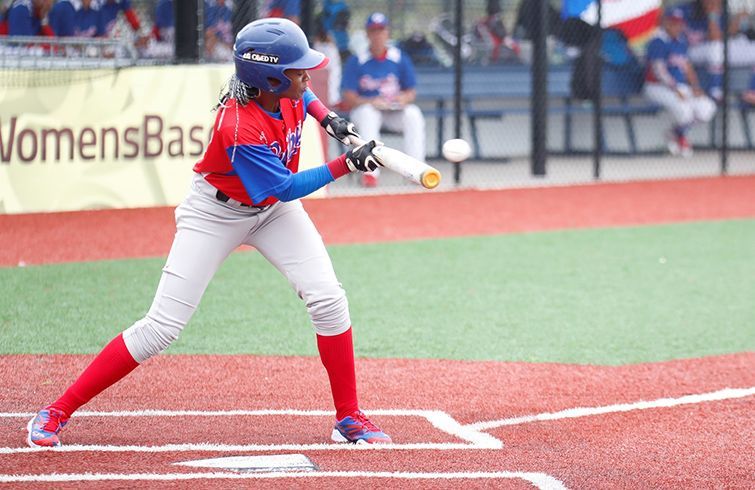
(671, 82)
(379, 87)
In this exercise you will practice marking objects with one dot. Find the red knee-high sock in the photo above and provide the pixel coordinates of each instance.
(337, 355)
(111, 364)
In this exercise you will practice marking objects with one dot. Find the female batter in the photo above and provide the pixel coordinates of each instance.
(246, 189)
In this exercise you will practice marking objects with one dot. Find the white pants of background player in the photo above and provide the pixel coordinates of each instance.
(683, 111)
(409, 121)
(207, 231)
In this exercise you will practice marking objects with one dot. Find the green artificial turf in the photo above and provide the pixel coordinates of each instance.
(608, 296)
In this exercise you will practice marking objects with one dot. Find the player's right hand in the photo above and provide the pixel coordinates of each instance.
(361, 159)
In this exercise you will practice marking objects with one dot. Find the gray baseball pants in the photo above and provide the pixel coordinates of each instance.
(207, 231)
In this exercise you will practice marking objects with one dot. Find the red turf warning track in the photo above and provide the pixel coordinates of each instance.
(701, 445)
(112, 234)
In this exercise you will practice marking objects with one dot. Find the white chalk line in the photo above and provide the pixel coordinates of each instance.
(474, 439)
(570, 413)
(220, 448)
(540, 480)
(441, 420)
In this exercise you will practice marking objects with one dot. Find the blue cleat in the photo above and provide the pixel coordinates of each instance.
(44, 428)
(357, 429)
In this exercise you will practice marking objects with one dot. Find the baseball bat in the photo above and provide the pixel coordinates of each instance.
(415, 170)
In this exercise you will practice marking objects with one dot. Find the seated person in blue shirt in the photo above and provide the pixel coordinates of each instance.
(705, 32)
(63, 18)
(89, 21)
(68, 20)
(161, 43)
(379, 87)
(109, 10)
(218, 39)
(749, 95)
(671, 82)
(29, 18)
(164, 29)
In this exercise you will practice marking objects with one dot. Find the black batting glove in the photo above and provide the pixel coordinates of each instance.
(361, 158)
(339, 128)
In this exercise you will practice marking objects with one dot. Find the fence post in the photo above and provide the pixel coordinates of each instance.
(307, 19)
(243, 13)
(457, 81)
(187, 37)
(725, 96)
(539, 88)
(597, 150)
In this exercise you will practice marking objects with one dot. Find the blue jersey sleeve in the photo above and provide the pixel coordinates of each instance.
(308, 98)
(261, 172)
(350, 75)
(164, 14)
(263, 175)
(63, 19)
(306, 182)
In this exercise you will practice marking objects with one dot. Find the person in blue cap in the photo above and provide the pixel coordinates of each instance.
(379, 88)
(671, 82)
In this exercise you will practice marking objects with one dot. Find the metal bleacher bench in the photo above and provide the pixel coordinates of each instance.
(494, 92)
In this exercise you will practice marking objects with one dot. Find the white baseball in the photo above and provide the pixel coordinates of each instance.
(456, 150)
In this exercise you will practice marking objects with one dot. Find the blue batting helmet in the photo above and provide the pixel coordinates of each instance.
(265, 48)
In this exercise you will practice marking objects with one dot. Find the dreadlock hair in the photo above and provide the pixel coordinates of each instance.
(236, 89)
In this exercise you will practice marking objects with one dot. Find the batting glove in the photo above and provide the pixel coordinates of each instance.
(339, 128)
(361, 158)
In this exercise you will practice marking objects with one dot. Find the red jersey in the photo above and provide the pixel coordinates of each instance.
(264, 148)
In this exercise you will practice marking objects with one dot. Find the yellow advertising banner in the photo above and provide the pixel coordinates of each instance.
(111, 138)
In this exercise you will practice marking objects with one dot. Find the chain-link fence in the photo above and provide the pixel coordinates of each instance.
(543, 96)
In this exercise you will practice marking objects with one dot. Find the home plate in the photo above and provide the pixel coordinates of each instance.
(256, 464)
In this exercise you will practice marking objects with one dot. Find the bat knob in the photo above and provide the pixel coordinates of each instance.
(430, 179)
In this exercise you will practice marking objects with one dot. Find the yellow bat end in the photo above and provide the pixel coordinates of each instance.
(430, 179)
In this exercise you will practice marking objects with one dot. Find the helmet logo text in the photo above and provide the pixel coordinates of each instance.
(262, 58)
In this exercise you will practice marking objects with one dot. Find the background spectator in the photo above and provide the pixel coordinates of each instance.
(29, 18)
(705, 32)
(379, 88)
(218, 40)
(287, 9)
(324, 43)
(4, 6)
(63, 18)
(88, 20)
(162, 40)
(671, 82)
(109, 10)
(419, 49)
(524, 24)
(335, 19)
(164, 29)
(491, 33)
(749, 95)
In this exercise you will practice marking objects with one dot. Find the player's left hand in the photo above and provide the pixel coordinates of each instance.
(361, 158)
(339, 128)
